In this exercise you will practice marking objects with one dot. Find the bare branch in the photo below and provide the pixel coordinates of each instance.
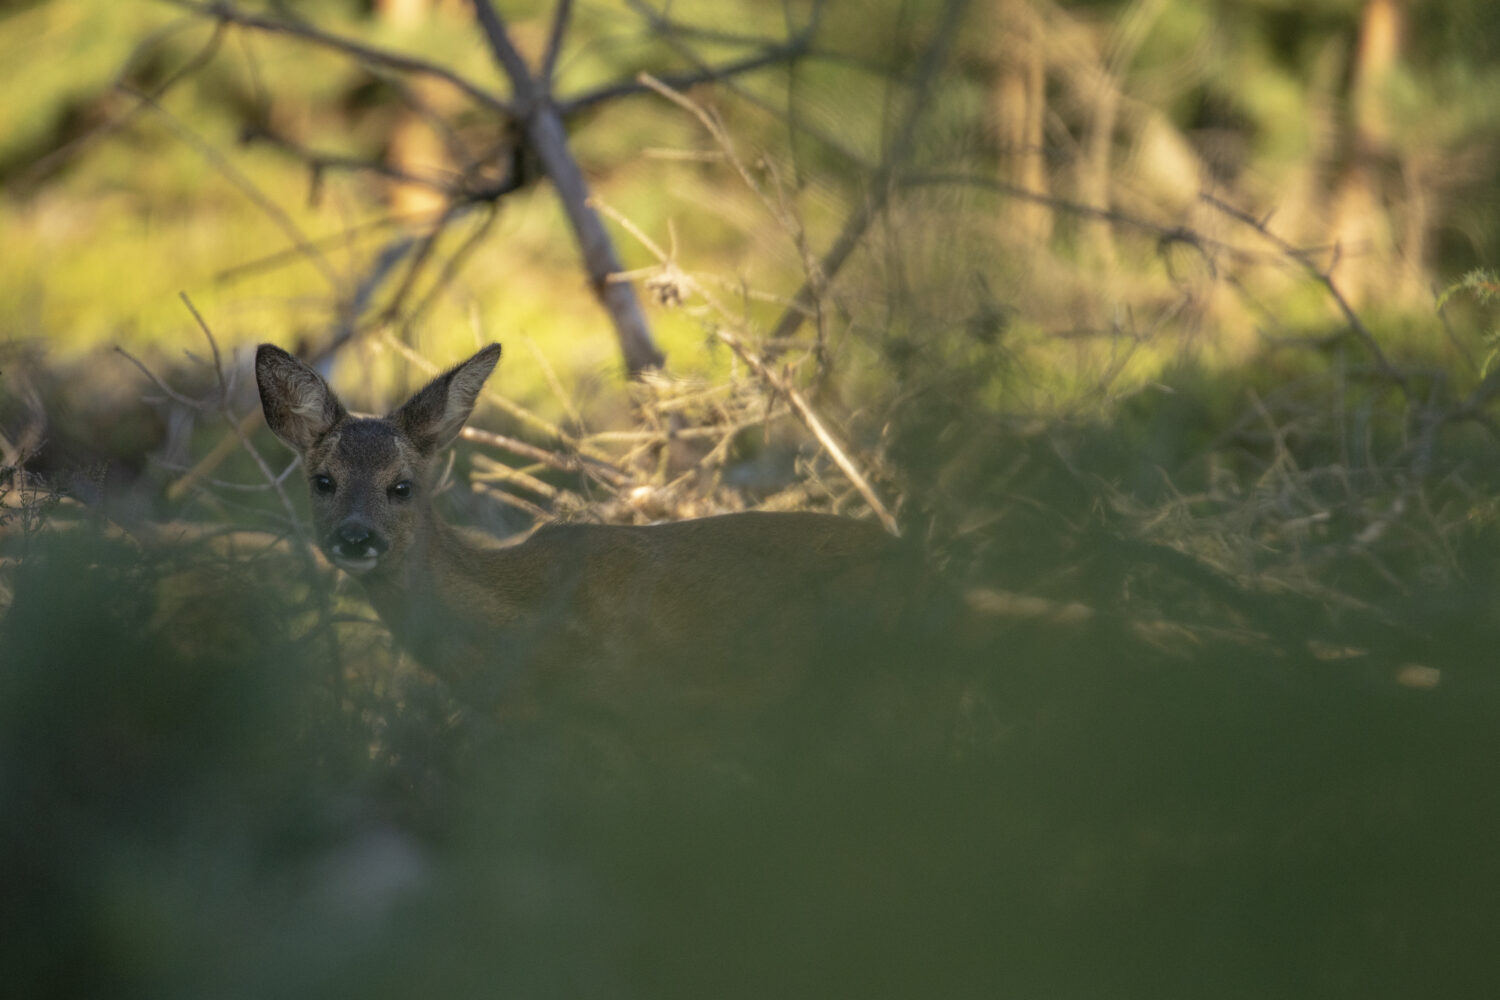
(426, 245)
(560, 15)
(660, 24)
(505, 53)
(548, 139)
(452, 266)
(682, 81)
(851, 156)
(488, 470)
(322, 162)
(228, 12)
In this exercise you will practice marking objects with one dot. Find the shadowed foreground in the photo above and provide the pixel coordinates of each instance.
(197, 802)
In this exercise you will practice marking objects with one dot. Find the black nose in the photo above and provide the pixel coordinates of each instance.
(355, 540)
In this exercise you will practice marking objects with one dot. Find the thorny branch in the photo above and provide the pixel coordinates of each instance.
(799, 404)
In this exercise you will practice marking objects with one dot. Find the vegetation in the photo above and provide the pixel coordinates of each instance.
(1165, 330)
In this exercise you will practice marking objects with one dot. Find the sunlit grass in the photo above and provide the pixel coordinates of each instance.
(98, 255)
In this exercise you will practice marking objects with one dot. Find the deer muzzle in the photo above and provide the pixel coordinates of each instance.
(355, 546)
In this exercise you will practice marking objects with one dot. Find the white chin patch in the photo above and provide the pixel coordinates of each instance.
(355, 566)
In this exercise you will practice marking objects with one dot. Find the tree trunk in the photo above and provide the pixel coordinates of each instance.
(1361, 227)
(1018, 108)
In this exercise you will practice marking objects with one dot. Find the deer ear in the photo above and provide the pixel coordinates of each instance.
(299, 406)
(433, 417)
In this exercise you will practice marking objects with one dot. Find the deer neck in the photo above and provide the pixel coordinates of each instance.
(438, 604)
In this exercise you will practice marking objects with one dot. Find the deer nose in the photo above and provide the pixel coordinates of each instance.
(356, 540)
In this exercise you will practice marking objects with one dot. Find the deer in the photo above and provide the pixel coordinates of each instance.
(693, 616)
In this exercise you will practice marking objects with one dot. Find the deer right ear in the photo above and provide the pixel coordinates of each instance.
(434, 416)
(299, 406)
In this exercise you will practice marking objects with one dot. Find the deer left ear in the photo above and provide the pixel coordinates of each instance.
(433, 417)
(299, 406)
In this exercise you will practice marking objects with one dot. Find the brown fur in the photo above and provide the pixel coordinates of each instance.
(693, 614)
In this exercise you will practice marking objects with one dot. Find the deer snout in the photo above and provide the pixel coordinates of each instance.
(356, 547)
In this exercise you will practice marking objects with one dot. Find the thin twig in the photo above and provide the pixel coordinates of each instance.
(426, 245)
(168, 391)
(236, 426)
(247, 187)
(607, 474)
(452, 265)
(555, 384)
(720, 135)
(664, 26)
(1165, 234)
(773, 56)
(814, 423)
(343, 239)
(506, 497)
(487, 469)
(320, 162)
(1324, 278)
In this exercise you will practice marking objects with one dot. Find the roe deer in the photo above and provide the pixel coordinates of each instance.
(687, 614)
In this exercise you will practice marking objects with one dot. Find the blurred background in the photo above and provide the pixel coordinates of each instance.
(1165, 329)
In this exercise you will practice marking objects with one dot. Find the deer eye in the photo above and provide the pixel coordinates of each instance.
(323, 484)
(402, 490)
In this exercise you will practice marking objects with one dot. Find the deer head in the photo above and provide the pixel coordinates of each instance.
(370, 478)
